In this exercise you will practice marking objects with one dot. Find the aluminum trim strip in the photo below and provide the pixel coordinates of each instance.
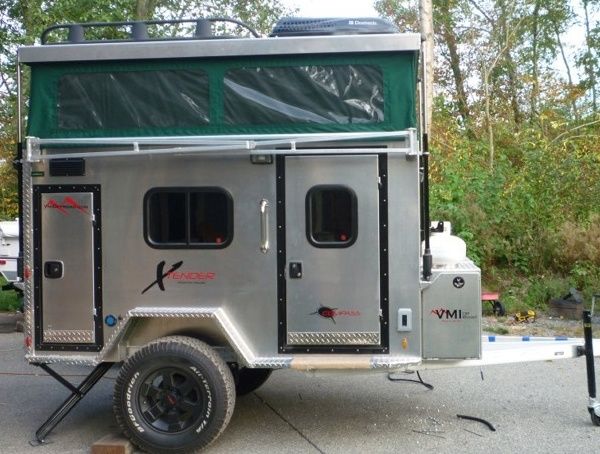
(238, 140)
(272, 363)
(394, 362)
(300, 45)
(75, 360)
(333, 338)
(234, 150)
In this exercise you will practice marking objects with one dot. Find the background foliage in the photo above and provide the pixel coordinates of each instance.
(516, 128)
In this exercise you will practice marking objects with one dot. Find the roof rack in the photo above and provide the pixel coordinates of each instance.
(138, 30)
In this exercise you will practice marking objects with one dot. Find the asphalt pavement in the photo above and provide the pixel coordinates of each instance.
(535, 408)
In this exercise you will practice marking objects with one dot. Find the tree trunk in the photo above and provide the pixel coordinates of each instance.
(513, 88)
(449, 37)
(568, 68)
(535, 84)
(488, 115)
(144, 9)
(426, 18)
(589, 66)
(510, 64)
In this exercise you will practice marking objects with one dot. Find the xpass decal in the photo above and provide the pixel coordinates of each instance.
(332, 312)
(174, 274)
(68, 203)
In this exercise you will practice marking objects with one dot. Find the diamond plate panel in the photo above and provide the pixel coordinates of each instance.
(27, 252)
(272, 363)
(56, 336)
(333, 338)
(394, 362)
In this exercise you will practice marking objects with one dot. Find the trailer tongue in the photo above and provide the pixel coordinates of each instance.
(206, 209)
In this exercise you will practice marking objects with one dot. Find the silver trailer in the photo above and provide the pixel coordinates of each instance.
(203, 211)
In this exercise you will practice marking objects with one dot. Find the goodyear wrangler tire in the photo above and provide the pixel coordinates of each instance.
(175, 395)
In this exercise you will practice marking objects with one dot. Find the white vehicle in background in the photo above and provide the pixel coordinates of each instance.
(9, 249)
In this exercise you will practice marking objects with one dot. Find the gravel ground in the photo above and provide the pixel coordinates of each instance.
(535, 408)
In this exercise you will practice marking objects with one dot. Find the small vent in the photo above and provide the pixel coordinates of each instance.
(70, 167)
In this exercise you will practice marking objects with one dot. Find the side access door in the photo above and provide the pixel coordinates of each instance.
(67, 268)
(333, 271)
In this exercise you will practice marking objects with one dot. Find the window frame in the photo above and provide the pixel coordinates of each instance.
(188, 190)
(353, 223)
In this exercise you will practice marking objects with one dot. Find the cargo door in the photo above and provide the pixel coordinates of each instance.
(334, 277)
(67, 268)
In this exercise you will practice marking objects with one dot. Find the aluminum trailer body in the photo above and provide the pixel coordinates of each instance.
(240, 205)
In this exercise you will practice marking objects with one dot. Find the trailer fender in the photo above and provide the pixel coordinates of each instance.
(143, 325)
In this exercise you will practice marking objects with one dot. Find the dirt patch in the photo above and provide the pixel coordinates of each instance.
(544, 326)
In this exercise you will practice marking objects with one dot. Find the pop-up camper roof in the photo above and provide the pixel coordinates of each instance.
(361, 82)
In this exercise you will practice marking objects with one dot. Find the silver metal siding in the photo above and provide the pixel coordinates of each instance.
(143, 50)
(404, 254)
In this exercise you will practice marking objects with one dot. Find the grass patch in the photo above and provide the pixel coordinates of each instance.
(497, 330)
(9, 299)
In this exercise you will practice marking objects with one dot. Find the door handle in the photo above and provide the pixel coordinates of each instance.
(264, 226)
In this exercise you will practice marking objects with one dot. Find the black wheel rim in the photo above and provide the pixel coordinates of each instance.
(172, 399)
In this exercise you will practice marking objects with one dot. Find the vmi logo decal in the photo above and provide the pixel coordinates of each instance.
(451, 315)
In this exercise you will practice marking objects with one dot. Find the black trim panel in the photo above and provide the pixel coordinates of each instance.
(384, 291)
(38, 190)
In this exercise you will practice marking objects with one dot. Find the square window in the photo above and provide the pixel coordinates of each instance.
(331, 213)
(188, 218)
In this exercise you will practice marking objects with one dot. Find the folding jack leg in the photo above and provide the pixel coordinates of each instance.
(588, 351)
(77, 393)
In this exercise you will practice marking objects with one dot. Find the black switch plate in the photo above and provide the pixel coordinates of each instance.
(295, 270)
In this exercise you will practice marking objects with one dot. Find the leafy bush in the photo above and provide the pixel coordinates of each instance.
(532, 218)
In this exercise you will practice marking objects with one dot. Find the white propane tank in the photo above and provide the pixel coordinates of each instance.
(447, 250)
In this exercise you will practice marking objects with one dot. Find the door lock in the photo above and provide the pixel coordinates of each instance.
(295, 270)
(53, 270)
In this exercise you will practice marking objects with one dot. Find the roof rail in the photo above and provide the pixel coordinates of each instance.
(273, 144)
(138, 30)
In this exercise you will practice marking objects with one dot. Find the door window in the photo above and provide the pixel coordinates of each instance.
(331, 214)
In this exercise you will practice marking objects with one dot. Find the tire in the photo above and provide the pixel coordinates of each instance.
(248, 380)
(175, 395)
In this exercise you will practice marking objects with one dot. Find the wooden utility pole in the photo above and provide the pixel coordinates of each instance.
(426, 20)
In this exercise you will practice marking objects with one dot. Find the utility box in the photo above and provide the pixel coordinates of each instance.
(452, 313)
